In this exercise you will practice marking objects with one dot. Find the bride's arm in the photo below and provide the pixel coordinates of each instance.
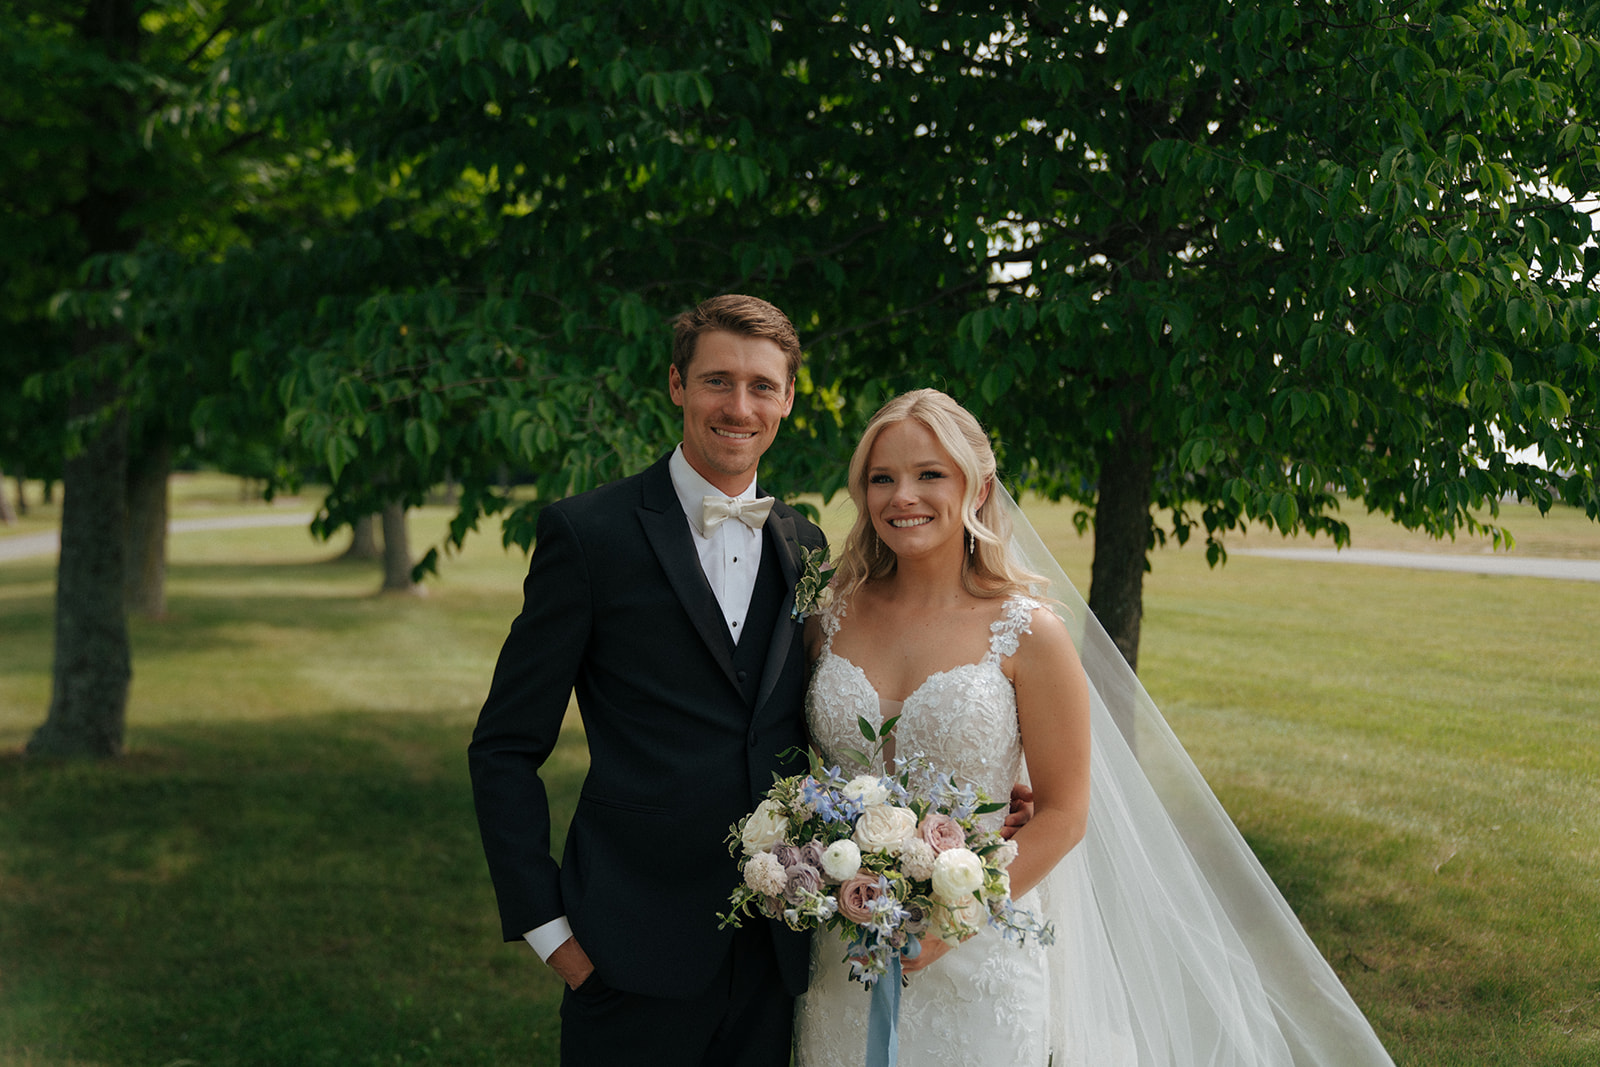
(1053, 714)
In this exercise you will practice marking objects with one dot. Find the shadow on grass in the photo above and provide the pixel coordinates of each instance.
(303, 892)
(208, 604)
(312, 891)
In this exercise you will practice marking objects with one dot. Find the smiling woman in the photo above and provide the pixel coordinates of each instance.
(1173, 944)
(916, 494)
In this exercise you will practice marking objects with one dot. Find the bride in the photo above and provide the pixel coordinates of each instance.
(1172, 946)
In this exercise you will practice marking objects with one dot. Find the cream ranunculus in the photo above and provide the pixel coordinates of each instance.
(885, 828)
(957, 874)
(841, 860)
(867, 789)
(767, 826)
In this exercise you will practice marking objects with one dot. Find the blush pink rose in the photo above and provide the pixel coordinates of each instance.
(942, 832)
(856, 897)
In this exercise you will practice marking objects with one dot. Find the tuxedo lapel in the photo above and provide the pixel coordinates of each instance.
(667, 530)
(782, 539)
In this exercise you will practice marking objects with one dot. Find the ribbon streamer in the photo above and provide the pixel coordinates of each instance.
(883, 1020)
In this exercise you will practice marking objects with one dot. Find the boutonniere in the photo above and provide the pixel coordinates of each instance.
(811, 592)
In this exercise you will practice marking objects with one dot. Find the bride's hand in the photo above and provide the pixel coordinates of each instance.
(932, 949)
(1020, 812)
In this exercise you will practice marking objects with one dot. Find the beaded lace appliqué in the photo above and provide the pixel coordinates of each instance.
(985, 1002)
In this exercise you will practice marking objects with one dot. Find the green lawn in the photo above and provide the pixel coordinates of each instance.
(285, 868)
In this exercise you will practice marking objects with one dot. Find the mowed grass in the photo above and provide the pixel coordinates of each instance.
(285, 868)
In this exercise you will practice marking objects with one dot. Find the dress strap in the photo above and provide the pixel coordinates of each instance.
(828, 614)
(1016, 619)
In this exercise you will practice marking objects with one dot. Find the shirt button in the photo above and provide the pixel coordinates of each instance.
(742, 676)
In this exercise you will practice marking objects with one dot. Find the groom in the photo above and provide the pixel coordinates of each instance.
(664, 600)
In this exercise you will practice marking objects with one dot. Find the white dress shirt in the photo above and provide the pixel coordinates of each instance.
(730, 556)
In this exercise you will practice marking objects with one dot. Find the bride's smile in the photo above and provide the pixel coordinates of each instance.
(915, 491)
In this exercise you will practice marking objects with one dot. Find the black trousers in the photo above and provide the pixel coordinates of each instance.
(745, 1018)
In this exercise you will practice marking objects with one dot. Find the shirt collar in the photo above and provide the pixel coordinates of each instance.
(692, 489)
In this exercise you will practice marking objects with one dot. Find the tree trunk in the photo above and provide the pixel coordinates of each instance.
(7, 514)
(363, 540)
(20, 477)
(93, 664)
(396, 551)
(1122, 536)
(145, 580)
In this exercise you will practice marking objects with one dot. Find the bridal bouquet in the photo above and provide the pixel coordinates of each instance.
(884, 859)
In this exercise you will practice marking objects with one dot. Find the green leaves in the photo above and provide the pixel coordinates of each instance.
(539, 10)
(1201, 219)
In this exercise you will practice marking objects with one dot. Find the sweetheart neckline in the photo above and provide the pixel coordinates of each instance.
(923, 685)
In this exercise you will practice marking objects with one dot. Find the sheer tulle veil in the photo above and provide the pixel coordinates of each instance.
(1173, 946)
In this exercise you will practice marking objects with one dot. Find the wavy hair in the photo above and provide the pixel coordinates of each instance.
(989, 570)
(749, 316)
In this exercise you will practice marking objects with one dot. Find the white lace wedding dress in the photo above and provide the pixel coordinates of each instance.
(987, 1001)
(1173, 947)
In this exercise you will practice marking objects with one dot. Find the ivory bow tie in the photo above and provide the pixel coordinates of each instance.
(753, 513)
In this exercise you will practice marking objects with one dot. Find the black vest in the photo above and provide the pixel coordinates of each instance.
(750, 654)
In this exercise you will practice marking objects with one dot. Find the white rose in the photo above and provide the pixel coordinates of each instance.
(867, 789)
(841, 860)
(885, 828)
(957, 874)
(959, 922)
(1005, 854)
(916, 859)
(765, 874)
(766, 826)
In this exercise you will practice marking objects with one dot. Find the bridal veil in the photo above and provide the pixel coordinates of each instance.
(1174, 948)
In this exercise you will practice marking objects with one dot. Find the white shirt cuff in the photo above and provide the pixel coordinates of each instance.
(549, 937)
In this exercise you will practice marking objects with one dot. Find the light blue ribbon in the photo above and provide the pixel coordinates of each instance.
(883, 1020)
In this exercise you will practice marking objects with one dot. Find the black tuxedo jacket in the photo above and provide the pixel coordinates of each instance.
(617, 608)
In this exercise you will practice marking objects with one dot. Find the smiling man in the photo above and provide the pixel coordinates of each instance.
(664, 601)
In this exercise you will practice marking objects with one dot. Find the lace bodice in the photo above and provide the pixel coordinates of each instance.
(986, 1001)
(964, 720)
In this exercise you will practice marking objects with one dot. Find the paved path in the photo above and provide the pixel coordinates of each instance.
(27, 546)
(1580, 570)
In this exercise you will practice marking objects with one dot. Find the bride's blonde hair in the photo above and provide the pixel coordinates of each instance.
(989, 570)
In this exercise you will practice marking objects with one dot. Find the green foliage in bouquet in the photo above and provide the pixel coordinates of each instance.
(886, 859)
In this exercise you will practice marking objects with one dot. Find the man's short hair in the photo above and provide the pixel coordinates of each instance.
(749, 316)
